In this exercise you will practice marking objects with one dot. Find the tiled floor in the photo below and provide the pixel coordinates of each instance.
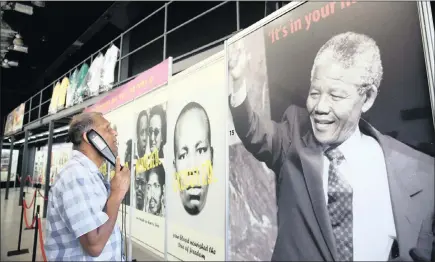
(10, 214)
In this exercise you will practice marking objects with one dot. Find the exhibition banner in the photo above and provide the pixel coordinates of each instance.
(39, 165)
(150, 168)
(5, 162)
(330, 134)
(14, 121)
(60, 154)
(196, 163)
(142, 84)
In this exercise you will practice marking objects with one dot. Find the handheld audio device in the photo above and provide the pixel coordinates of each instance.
(101, 146)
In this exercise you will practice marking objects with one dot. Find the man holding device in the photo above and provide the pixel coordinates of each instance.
(82, 205)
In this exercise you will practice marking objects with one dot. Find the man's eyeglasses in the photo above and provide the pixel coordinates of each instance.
(154, 131)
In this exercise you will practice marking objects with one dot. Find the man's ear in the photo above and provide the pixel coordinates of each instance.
(370, 97)
(85, 138)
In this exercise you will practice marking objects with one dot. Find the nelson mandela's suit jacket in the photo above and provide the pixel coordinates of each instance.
(304, 231)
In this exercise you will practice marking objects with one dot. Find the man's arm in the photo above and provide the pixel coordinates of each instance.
(426, 241)
(94, 241)
(264, 138)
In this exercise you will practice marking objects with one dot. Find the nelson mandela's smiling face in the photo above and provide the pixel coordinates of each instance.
(334, 103)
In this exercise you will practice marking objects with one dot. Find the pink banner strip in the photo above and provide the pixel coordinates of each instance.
(143, 83)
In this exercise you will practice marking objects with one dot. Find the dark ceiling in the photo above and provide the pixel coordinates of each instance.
(47, 33)
(51, 31)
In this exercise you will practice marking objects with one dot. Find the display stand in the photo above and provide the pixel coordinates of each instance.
(35, 238)
(19, 251)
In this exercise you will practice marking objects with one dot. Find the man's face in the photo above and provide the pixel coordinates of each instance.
(143, 133)
(193, 150)
(154, 193)
(104, 128)
(155, 132)
(140, 184)
(334, 103)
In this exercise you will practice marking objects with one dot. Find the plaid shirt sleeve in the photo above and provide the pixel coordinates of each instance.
(80, 212)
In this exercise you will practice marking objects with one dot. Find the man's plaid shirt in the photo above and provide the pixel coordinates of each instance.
(75, 207)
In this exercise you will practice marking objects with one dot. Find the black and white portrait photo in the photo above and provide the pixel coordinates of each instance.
(142, 133)
(342, 125)
(196, 163)
(193, 156)
(155, 191)
(157, 129)
(151, 131)
(140, 190)
(149, 181)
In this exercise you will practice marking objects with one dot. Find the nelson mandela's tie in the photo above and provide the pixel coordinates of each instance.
(340, 206)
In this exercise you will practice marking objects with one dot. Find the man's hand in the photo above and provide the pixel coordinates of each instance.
(121, 181)
(237, 64)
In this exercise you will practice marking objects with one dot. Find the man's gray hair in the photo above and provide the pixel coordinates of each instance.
(353, 50)
(80, 124)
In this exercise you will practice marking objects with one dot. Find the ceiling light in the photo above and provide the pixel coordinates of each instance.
(25, 9)
(38, 3)
(5, 64)
(8, 64)
(18, 40)
(18, 48)
(18, 44)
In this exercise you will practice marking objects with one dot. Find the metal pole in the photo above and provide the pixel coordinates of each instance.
(238, 14)
(35, 238)
(265, 8)
(40, 104)
(23, 195)
(164, 31)
(30, 109)
(11, 150)
(1, 143)
(130, 221)
(48, 167)
(23, 174)
(34, 205)
(120, 58)
(19, 251)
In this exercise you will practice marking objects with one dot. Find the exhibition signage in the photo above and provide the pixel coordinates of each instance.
(290, 78)
(14, 121)
(142, 84)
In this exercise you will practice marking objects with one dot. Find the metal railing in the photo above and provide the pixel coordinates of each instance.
(38, 106)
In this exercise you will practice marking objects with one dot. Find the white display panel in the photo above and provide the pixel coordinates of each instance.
(196, 181)
(60, 154)
(5, 162)
(150, 127)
